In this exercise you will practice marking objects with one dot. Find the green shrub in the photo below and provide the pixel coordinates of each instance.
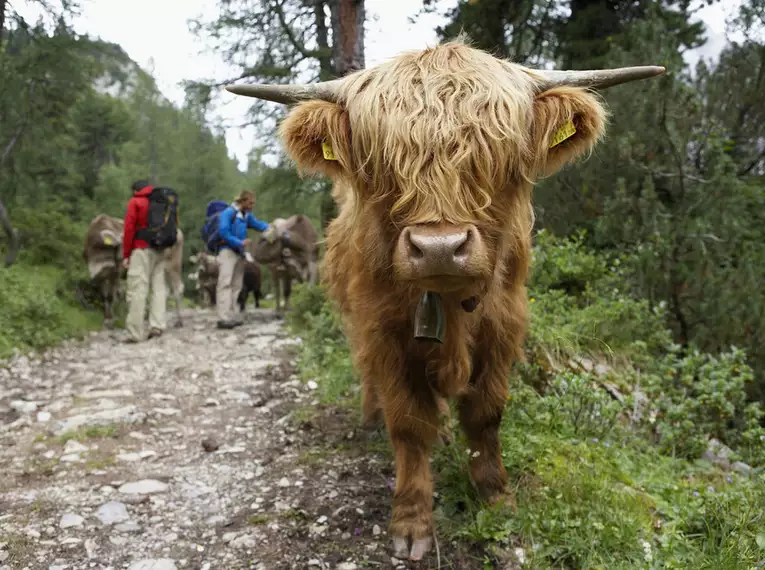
(33, 316)
(325, 357)
(49, 237)
(699, 395)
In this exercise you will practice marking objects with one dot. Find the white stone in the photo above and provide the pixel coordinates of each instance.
(143, 487)
(154, 564)
(74, 446)
(69, 520)
(112, 512)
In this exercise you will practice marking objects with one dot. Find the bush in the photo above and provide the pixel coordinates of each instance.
(699, 395)
(325, 357)
(32, 315)
(49, 237)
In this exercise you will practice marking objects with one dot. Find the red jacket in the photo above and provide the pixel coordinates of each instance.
(136, 219)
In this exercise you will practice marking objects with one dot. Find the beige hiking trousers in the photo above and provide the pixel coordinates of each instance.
(146, 270)
(230, 280)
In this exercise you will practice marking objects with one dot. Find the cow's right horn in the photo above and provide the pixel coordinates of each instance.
(595, 78)
(288, 94)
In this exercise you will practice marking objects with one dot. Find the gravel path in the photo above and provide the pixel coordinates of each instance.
(199, 450)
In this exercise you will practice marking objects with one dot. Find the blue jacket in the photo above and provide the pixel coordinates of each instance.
(232, 227)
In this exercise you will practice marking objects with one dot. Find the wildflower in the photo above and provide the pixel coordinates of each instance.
(647, 554)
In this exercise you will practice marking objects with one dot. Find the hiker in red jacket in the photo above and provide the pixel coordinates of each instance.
(146, 266)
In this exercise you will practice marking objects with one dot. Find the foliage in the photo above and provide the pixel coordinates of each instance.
(699, 395)
(325, 356)
(35, 314)
(597, 485)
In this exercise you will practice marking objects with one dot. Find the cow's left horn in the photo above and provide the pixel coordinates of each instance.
(595, 78)
(287, 94)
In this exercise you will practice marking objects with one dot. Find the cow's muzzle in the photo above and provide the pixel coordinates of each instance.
(441, 256)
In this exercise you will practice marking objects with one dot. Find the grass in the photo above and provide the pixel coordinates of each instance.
(88, 433)
(594, 489)
(33, 315)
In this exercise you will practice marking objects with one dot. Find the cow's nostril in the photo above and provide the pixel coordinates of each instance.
(413, 250)
(463, 247)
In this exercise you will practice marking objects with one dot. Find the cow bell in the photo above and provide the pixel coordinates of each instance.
(429, 318)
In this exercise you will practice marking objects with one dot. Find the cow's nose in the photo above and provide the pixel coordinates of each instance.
(444, 252)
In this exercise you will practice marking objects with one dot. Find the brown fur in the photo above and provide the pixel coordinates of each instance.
(445, 136)
(104, 263)
(206, 276)
(294, 254)
(250, 284)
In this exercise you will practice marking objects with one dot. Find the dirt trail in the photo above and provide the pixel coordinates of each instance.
(198, 450)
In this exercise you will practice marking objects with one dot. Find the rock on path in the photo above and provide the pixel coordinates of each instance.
(199, 450)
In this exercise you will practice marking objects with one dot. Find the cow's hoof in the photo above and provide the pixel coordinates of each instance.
(420, 548)
(503, 499)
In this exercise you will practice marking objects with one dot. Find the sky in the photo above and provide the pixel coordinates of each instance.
(155, 34)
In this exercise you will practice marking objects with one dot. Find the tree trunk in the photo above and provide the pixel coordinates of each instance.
(13, 236)
(3, 6)
(322, 41)
(347, 18)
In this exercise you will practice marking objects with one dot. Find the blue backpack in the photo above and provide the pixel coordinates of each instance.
(210, 230)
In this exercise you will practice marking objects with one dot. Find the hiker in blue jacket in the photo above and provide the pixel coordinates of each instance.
(232, 230)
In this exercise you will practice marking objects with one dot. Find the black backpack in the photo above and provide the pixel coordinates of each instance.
(162, 222)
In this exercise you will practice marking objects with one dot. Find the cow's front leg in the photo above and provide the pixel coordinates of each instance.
(107, 296)
(480, 414)
(370, 404)
(411, 417)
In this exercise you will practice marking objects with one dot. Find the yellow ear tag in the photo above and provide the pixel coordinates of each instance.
(107, 240)
(566, 131)
(329, 154)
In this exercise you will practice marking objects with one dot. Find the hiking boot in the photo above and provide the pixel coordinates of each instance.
(154, 333)
(128, 340)
(226, 324)
(238, 322)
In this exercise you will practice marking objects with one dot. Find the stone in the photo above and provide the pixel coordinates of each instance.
(70, 458)
(24, 407)
(112, 512)
(154, 564)
(69, 520)
(129, 526)
(143, 487)
(74, 446)
(126, 414)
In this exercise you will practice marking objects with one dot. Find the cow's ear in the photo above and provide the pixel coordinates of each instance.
(317, 135)
(567, 123)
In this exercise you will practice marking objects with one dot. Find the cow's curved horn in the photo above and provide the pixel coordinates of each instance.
(287, 94)
(595, 78)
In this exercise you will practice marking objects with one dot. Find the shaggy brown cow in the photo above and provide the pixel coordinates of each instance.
(206, 276)
(250, 284)
(294, 254)
(433, 155)
(103, 254)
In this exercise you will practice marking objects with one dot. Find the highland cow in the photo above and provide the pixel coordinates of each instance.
(433, 155)
(102, 252)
